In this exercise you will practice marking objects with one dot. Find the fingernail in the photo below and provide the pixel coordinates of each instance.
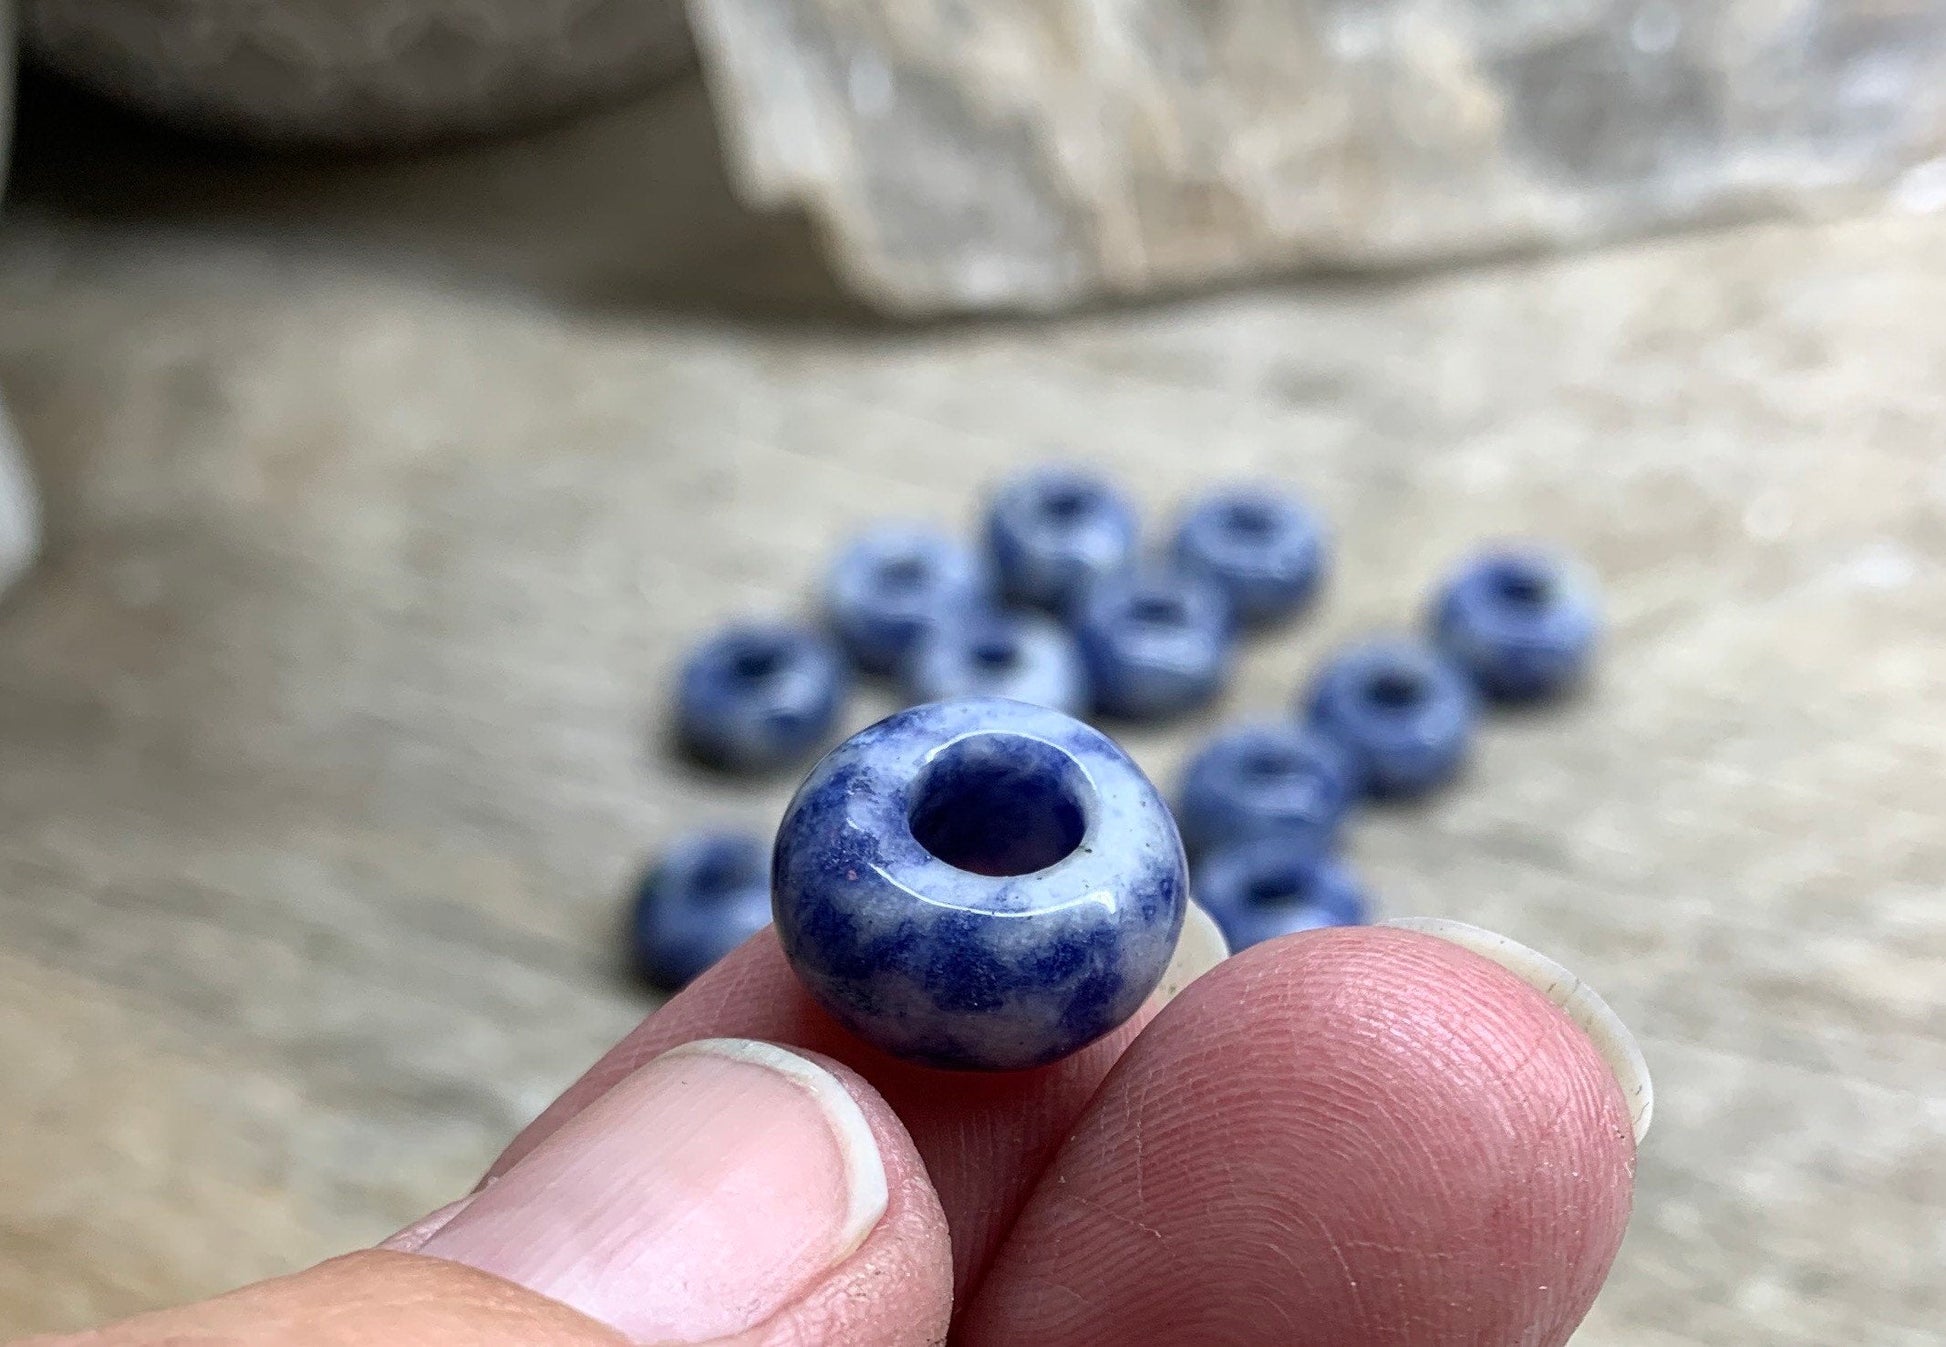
(692, 1201)
(413, 1237)
(1199, 948)
(1577, 999)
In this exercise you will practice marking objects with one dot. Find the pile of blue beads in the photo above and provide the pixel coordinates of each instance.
(1060, 612)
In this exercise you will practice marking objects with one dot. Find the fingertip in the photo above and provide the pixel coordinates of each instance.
(1577, 1000)
(728, 1188)
(1479, 996)
(896, 1289)
(1478, 1038)
(984, 1137)
(1359, 1135)
(376, 1296)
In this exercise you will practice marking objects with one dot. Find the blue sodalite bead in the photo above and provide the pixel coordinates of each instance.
(1156, 642)
(1055, 531)
(1024, 657)
(1401, 710)
(759, 696)
(1272, 887)
(896, 584)
(1263, 548)
(1271, 780)
(979, 884)
(1522, 621)
(705, 896)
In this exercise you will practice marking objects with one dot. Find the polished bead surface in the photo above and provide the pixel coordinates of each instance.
(895, 585)
(1022, 656)
(1055, 531)
(1264, 549)
(1271, 887)
(979, 884)
(1521, 620)
(1156, 642)
(1401, 710)
(1269, 780)
(760, 695)
(705, 896)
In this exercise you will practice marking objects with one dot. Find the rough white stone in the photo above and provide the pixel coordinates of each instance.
(19, 512)
(1030, 153)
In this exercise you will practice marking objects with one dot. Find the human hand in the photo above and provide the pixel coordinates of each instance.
(1359, 1137)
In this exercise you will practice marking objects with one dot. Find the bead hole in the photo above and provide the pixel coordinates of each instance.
(722, 872)
(1065, 505)
(754, 664)
(1270, 766)
(1281, 887)
(1395, 690)
(1518, 587)
(1000, 804)
(996, 653)
(903, 574)
(1158, 610)
(1249, 520)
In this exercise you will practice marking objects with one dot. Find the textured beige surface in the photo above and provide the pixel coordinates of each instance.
(327, 730)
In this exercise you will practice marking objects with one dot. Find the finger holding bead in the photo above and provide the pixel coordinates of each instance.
(984, 1137)
(1364, 1137)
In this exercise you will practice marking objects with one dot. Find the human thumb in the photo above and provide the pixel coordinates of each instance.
(728, 1192)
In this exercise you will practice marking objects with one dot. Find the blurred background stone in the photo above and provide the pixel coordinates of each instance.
(8, 32)
(19, 512)
(359, 72)
(1033, 153)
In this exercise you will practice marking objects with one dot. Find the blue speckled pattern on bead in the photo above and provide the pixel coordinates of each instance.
(1521, 620)
(705, 896)
(1264, 549)
(1269, 780)
(895, 585)
(1024, 657)
(1156, 642)
(1267, 888)
(760, 696)
(1403, 712)
(1055, 531)
(1042, 916)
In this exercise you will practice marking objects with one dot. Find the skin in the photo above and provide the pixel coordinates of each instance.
(1360, 1137)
